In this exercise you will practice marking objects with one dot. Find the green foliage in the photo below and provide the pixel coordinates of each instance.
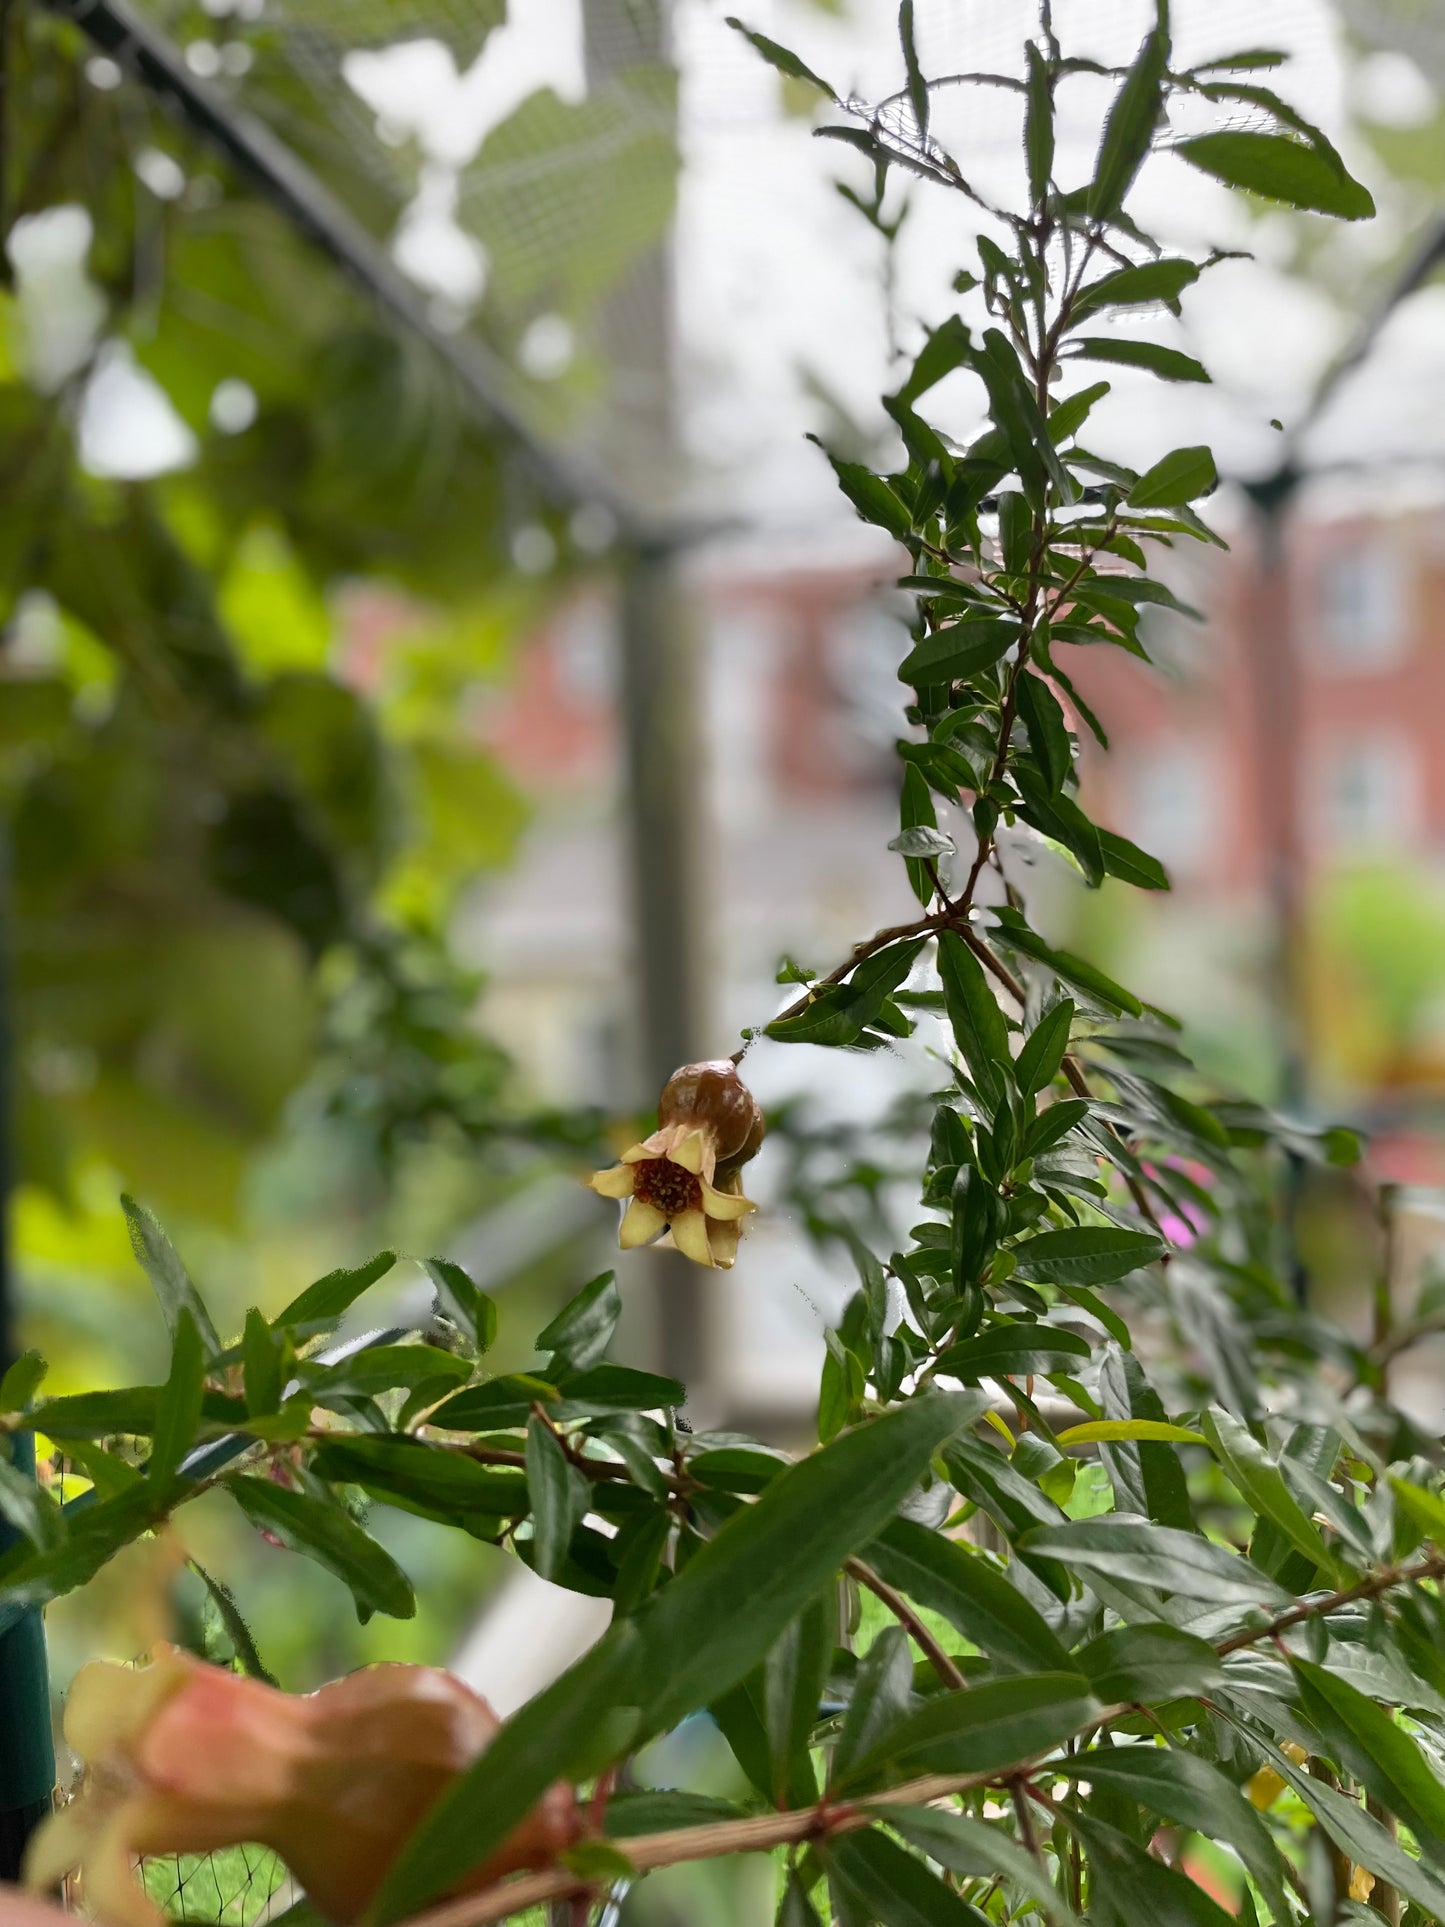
(1159, 1558)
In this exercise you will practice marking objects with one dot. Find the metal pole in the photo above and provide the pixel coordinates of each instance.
(27, 1749)
(657, 644)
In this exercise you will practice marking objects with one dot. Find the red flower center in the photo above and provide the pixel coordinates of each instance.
(666, 1187)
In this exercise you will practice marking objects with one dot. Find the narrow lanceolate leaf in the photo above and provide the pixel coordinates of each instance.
(949, 1577)
(1143, 1469)
(1038, 1063)
(1000, 1724)
(20, 1384)
(780, 58)
(978, 1852)
(326, 1300)
(915, 816)
(1089, 1254)
(917, 85)
(1130, 864)
(560, 1496)
(233, 1620)
(1140, 1553)
(1049, 739)
(581, 1332)
(1261, 1485)
(1152, 282)
(872, 498)
(314, 1523)
(1039, 127)
(1279, 169)
(793, 1680)
(1129, 130)
(1098, 1431)
(33, 1576)
(882, 1696)
(1147, 1665)
(169, 1278)
(1378, 1752)
(1181, 476)
(472, 1311)
(974, 1014)
(960, 650)
(1136, 1887)
(687, 1645)
(261, 1355)
(24, 1505)
(876, 1880)
(426, 1479)
(1005, 1349)
(1357, 1833)
(1181, 1787)
(1170, 364)
(178, 1413)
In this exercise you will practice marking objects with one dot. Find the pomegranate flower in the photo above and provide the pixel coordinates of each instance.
(183, 1757)
(686, 1178)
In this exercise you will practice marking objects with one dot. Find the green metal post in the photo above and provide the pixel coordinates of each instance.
(27, 1750)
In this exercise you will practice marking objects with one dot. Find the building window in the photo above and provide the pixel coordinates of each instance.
(1370, 790)
(1173, 806)
(1362, 612)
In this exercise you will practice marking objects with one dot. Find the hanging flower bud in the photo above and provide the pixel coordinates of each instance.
(183, 1757)
(685, 1179)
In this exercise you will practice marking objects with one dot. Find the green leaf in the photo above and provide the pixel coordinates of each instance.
(1260, 1483)
(1130, 864)
(427, 1479)
(1000, 1724)
(502, 1401)
(946, 348)
(169, 1278)
(686, 1646)
(1091, 1254)
(1182, 1787)
(882, 1695)
(1107, 1430)
(325, 1301)
(1129, 129)
(1016, 934)
(977, 1851)
(233, 1620)
(262, 1351)
(1357, 1833)
(20, 1384)
(794, 1676)
(581, 1332)
(1067, 417)
(979, 1026)
(1137, 1888)
(1137, 287)
(915, 813)
(470, 1310)
(839, 1015)
(786, 63)
(94, 1534)
(1020, 1348)
(876, 1880)
(384, 1368)
(873, 499)
(1279, 169)
(560, 1497)
(1169, 363)
(948, 1577)
(97, 1415)
(1038, 1063)
(917, 85)
(1048, 733)
(1149, 1664)
(663, 1809)
(25, 1505)
(1379, 1753)
(1039, 127)
(1142, 1554)
(1055, 1121)
(312, 1522)
(959, 651)
(603, 1389)
(178, 1413)
(1181, 476)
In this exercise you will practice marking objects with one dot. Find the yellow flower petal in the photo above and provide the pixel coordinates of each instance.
(109, 1705)
(641, 1223)
(724, 1204)
(722, 1237)
(58, 1845)
(616, 1182)
(689, 1234)
(690, 1151)
(109, 1883)
(659, 1145)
